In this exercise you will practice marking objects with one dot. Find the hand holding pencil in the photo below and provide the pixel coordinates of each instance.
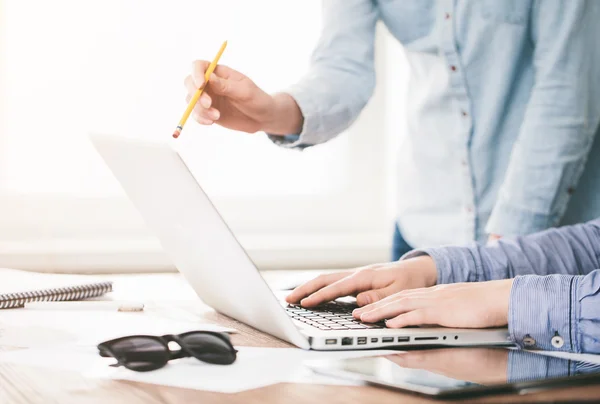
(232, 100)
(198, 92)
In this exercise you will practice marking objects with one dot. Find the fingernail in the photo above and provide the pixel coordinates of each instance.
(198, 82)
(204, 101)
(214, 115)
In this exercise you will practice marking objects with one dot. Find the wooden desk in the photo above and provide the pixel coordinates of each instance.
(27, 385)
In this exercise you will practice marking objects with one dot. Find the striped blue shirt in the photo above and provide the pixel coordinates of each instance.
(556, 289)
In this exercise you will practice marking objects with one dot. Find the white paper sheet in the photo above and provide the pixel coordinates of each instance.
(171, 307)
(254, 367)
(32, 328)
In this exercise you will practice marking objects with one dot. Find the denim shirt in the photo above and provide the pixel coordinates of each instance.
(556, 287)
(503, 107)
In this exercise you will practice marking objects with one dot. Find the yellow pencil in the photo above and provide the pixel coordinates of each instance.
(196, 97)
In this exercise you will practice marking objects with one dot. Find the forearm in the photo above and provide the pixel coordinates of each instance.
(339, 82)
(285, 117)
(570, 250)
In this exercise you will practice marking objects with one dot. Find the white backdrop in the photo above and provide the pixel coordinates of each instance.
(72, 67)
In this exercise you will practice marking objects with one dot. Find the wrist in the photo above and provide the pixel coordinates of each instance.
(283, 116)
(503, 299)
(425, 265)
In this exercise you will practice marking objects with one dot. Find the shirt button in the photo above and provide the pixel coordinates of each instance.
(469, 209)
(447, 16)
(528, 341)
(464, 113)
(453, 68)
(571, 190)
(463, 163)
(557, 341)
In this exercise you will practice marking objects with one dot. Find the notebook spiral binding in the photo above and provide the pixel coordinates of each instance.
(13, 300)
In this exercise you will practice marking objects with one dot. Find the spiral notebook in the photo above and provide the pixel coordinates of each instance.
(78, 292)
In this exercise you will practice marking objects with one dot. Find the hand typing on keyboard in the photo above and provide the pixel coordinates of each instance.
(369, 284)
(330, 316)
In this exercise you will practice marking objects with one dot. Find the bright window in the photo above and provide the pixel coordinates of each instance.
(71, 67)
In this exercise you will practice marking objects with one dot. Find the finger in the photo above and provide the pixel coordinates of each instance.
(229, 88)
(205, 100)
(191, 90)
(372, 296)
(227, 72)
(212, 113)
(416, 317)
(190, 85)
(198, 70)
(421, 292)
(390, 310)
(201, 120)
(357, 282)
(314, 285)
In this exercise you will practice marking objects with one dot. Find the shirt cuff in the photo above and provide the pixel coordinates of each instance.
(542, 314)
(508, 220)
(453, 264)
(288, 141)
(312, 132)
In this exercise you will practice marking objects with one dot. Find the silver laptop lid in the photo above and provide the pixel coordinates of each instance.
(194, 235)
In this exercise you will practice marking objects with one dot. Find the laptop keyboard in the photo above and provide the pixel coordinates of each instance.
(330, 316)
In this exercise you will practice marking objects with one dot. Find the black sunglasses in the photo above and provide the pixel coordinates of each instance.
(143, 353)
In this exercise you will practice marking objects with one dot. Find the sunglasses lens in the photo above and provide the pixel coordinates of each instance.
(209, 348)
(140, 353)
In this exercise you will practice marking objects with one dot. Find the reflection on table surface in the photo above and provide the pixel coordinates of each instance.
(461, 367)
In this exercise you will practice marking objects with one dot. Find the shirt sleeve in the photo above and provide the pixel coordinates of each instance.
(560, 120)
(555, 297)
(556, 312)
(341, 78)
(569, 250)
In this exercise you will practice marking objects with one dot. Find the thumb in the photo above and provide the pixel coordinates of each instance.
(198, 70)
(228, 88)
(374, 295)
(219, 85)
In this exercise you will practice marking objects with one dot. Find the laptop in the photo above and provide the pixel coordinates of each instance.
(208, 255)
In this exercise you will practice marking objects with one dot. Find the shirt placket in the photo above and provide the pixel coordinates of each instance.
(457, 86)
